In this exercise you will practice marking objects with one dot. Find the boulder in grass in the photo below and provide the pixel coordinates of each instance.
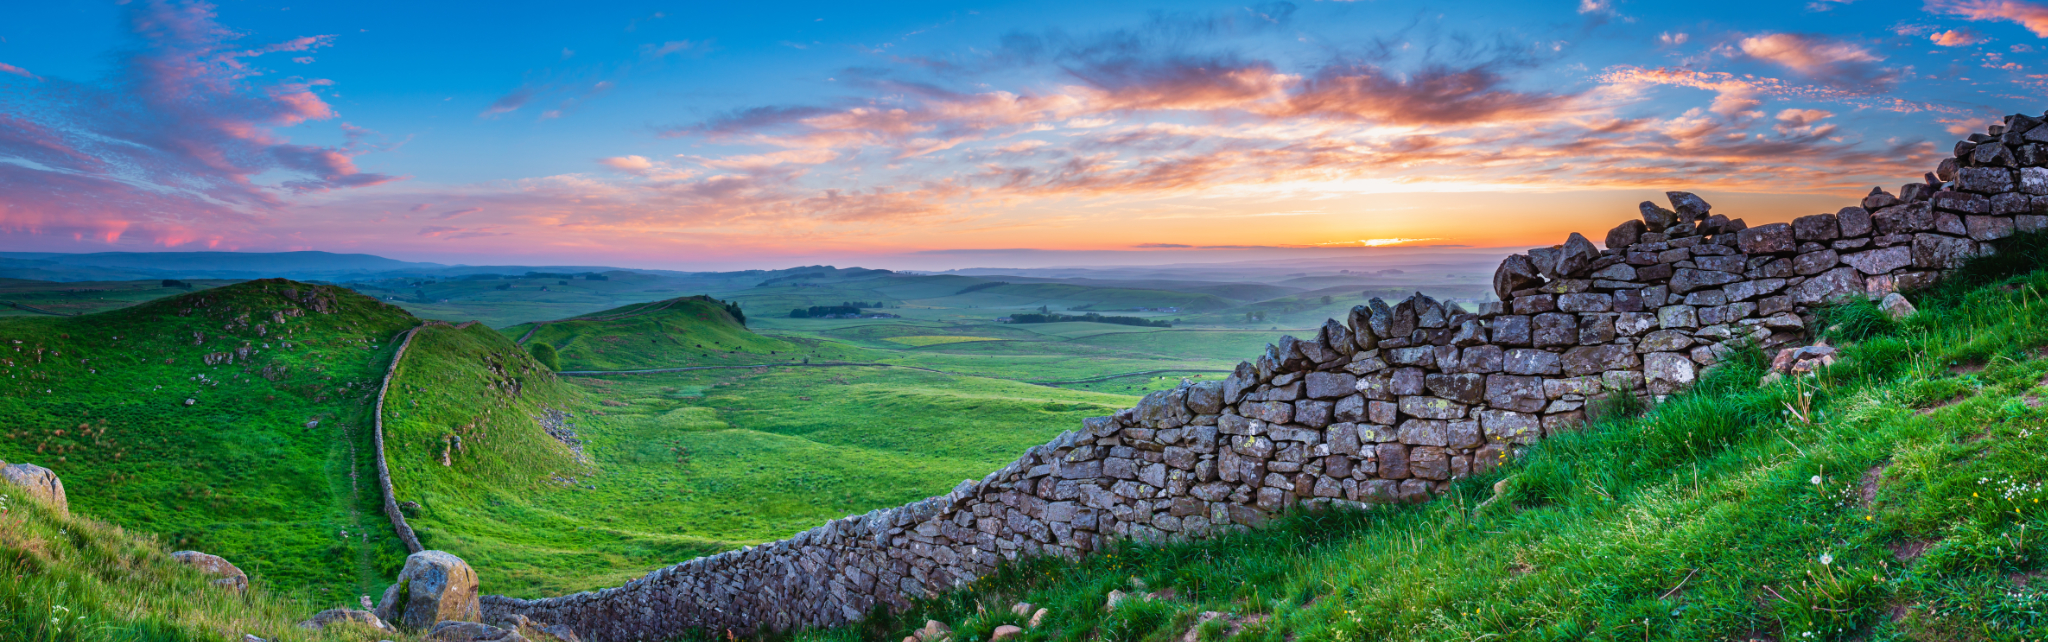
(1896, 306)
(322, 619)
(471, 632)
(433, 587)
(231, 578)
(39, 483)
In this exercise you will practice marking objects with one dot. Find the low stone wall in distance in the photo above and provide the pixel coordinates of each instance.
(1388, 406)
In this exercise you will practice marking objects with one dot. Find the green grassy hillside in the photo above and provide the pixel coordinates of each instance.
(233, 421)
(1896, 496)
(690, 331)
(78, 579)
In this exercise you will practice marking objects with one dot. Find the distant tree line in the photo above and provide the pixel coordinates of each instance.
(1054, 317)
(824, 310)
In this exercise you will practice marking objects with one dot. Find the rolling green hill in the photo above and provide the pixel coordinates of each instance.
(233, 421)
(689, 331)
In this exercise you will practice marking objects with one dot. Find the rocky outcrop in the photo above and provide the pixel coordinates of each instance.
(322, 619)
(433, 587)
(231, 578)
(472, 632)
(38, 483)
(1389, 406)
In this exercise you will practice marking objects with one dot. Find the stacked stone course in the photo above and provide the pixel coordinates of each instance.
(1388, 406)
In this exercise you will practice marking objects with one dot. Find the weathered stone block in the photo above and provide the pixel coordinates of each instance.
(1986, 228)
(1272, 412)
(1511, 392)
(1585, 302)
(1535, 304)
(1812, 263)
(1818, 227)
(1507, 426)
(1462, 388)
(1668, 372)
(1853, 221)
(1425, 432)
(1677, 317)
(1585, 360)
(1314, 413)
(1835, 284)
(1432, 407)
(1880, 261)
(1406, 381)
(1687, 280)
(1512, 330)
(1393, 460)
(1329, 385)
(1984, 180)
(1525, 361)
(1556, 329)
(1961, 203)
(1429, 462)
(1773, 238)
(1935, 251)
(1384, 413)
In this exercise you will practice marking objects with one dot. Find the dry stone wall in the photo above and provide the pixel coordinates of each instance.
(1388, 406)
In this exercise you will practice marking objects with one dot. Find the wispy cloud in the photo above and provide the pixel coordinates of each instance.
(1832, 62)
(2032, 15)
(171, 146)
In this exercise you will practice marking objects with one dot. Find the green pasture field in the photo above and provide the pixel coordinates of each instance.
(86, 297)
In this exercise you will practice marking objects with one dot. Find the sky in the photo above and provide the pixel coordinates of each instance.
(927, 135)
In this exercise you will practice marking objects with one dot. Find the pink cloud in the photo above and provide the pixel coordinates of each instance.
(172, 145)
(11, 69)
(1956, 38)
(2032, 15)
(1833, 62)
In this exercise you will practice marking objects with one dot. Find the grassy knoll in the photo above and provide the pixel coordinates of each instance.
(1897, 496)
(233, 421)
(83, 580)
(687, 331)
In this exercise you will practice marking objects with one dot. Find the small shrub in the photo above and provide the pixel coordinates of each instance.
(546, 355)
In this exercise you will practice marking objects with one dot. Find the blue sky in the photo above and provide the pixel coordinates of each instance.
(701, 135)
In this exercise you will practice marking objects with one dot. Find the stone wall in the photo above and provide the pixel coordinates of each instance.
(1388, 406)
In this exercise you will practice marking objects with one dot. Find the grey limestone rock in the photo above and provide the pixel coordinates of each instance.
(231, 578)
(38, 483)
(434, 586)
(462, 631)
(1689, 206)
(330, 616)
(1775, 238)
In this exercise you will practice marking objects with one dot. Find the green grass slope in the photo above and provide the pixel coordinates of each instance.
(83, 580)
(1896, 496)
(689, 331)
(194, 417)
(464, 439)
